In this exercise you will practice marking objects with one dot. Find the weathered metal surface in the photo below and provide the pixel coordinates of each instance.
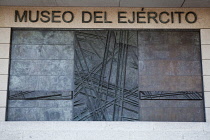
(115, 75)
(169, 61)
(106, 82)
(170, 80)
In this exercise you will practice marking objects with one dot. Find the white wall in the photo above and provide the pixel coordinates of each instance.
(205, 47)
(4, 65)
(104, 131)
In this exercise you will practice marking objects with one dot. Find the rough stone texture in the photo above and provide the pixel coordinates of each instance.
(42, 65)
(42, 52)
(170, 61)
(41, 61)
(170, 83)
(40, 110)
(172, 110)
(104, 131)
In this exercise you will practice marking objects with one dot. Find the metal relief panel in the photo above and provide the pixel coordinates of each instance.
(106, 83)
(169, 65)
(42, 68)
(170, 80)
(115, 76)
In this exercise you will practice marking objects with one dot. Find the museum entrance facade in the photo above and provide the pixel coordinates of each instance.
(105, 75)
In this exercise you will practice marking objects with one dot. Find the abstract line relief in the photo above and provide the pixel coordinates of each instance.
(108, 74)
(106, 81)
(181, 95)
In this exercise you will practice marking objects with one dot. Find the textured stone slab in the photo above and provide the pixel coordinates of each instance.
(161, 110)
(42, 61)
(180, 45)
(42, 52)
(42, 67)
(170, 83)
(40, 104)
(40, 110)
(171, 103)
(42, 37)
(46, 83)
(169, 67)
(169, 60)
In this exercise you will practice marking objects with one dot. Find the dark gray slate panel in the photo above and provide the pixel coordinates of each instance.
(169, 45)
(169, 67)
(170, 103)
(45, 83)
(42, 67)
(40, 104)
(42, 37)
(176, 110)
(42, 52)
(170, 83)
(36, 110)
(42, 61)
(169, 61)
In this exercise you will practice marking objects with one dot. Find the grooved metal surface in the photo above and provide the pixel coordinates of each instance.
(125, 75)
